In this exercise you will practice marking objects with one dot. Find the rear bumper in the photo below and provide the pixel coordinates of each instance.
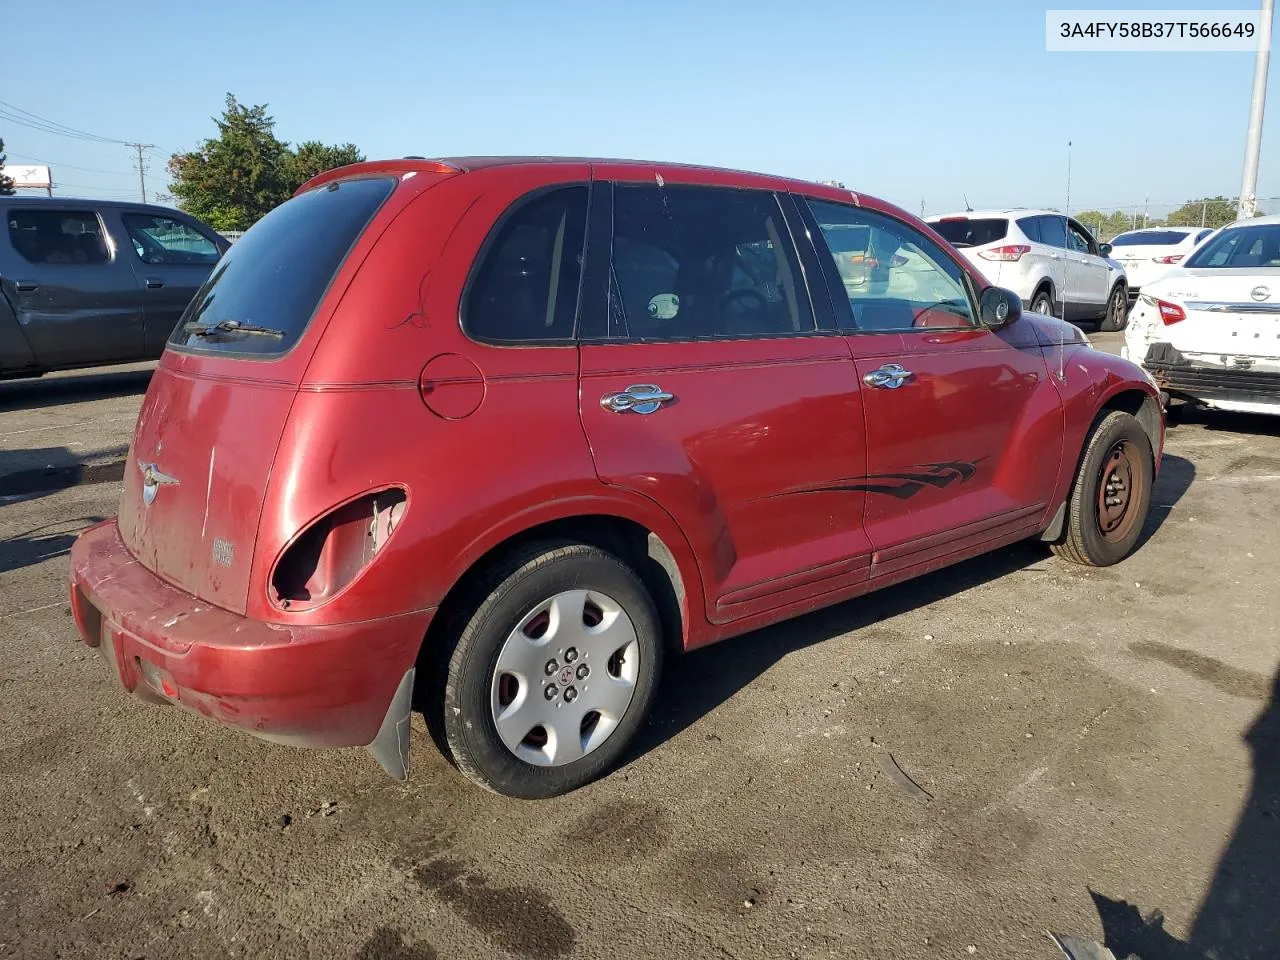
(1217, 386)
(322, 686)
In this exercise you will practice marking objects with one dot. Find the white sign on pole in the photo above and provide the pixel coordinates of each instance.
(25, 175)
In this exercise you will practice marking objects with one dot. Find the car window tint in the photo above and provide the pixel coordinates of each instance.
(275, 276)
(58, 236)
(1241, 247)
(1052, 231)
(970, 232)
(1031, 227)
(525, 289)
(693, 262)
(163, 240)
(898, 279)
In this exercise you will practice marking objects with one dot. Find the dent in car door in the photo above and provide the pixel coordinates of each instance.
(76, 299)
(171, 259)
(964, 429)
(705, 388)
(1053, 238)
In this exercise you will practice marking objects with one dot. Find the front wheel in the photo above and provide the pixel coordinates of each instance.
(1117, 310)
(553, 672)
(1111, 495)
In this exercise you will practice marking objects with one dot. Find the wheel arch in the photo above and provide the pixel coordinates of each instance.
(655, 550)
(1144, 407)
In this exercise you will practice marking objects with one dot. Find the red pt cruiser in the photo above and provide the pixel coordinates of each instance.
(489, 436)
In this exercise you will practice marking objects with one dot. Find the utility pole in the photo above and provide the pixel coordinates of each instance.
(1253, 145)
(142, 170)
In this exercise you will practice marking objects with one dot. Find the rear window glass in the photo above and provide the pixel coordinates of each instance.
(1150, 238)
(263, 292)
(971, 233)
(1242, 247)
(58, 236)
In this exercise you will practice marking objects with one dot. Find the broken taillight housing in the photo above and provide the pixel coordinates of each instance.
(327, 556)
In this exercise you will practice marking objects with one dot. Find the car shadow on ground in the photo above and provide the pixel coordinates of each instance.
(1239, 917)
(47, 392)
(1224, 421)
(63, 468)
(41, 543)
(700, 681)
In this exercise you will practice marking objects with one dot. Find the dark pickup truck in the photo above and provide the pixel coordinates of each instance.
(91, 282)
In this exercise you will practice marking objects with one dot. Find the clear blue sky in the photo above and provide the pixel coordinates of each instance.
(911, 101)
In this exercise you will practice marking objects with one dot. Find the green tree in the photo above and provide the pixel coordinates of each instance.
(6, 183)
(1211, 211)
(313, 157)
(234, 179)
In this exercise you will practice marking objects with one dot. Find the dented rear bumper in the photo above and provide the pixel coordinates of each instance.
(1230, 387)
(322, 686)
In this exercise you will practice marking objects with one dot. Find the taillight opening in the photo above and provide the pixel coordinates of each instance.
(329, 555)
(1174, 258)
(1008, 252)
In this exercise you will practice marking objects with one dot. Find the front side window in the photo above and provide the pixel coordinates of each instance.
(1052, 231)
(163, 240)
(1078, 238)
(895, 277)
(1240, 247)
(703, 262)
(525, 289)
(58, 236)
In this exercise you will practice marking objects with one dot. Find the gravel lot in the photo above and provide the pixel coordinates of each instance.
(1095, 743)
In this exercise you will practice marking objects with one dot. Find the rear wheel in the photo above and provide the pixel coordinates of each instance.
(1042, 303)
(1117, 309)
(1111, 496)
(553, 671)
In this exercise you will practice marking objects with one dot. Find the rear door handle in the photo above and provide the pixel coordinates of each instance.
(153, 283)
(889, 377)
(637, 398)
(26, 286)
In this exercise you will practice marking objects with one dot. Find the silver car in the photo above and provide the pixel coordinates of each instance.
(90, 282)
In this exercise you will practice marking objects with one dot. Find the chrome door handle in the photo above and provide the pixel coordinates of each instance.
(637, 398)
(890, 376)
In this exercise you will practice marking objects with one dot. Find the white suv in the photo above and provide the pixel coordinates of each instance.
(1051, 261)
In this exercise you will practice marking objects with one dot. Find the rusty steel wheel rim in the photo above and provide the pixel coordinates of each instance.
(1117, 491)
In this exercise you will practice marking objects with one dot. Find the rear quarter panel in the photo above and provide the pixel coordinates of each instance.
(15, 352)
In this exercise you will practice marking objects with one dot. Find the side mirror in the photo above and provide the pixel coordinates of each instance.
(1104, 249)
(999, 307)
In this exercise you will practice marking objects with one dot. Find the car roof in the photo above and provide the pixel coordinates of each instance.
(1006, 212)
(1268, 220)
(15, 200)
(467, 164)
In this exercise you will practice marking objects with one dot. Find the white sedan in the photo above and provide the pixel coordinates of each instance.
(1208, 331)
(1149, 254)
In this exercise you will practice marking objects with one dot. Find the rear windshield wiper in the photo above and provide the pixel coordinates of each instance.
(230, 326)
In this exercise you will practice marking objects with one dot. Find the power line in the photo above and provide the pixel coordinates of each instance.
(72, 166)
(37, 122)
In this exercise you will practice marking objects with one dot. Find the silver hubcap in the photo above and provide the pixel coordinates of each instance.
(565, 678)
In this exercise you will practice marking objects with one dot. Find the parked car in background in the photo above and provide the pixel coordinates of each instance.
(493, 436)
(90, 282)
(1149, 254)
(1049, 260)
(1208, 331)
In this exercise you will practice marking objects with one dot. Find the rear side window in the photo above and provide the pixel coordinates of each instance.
(964, 232)
(1150, 238)
(58, 236)
(262, 294)
(525, 289)
(165, 241)
(1031, 227)
(692, 262)
(1053, 231)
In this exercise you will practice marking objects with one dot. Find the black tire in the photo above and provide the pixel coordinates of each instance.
(499, 601)
(1117, 315)
(1117, 442)
(1042, 303)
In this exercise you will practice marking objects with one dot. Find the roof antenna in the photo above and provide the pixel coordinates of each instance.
(967, 208)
